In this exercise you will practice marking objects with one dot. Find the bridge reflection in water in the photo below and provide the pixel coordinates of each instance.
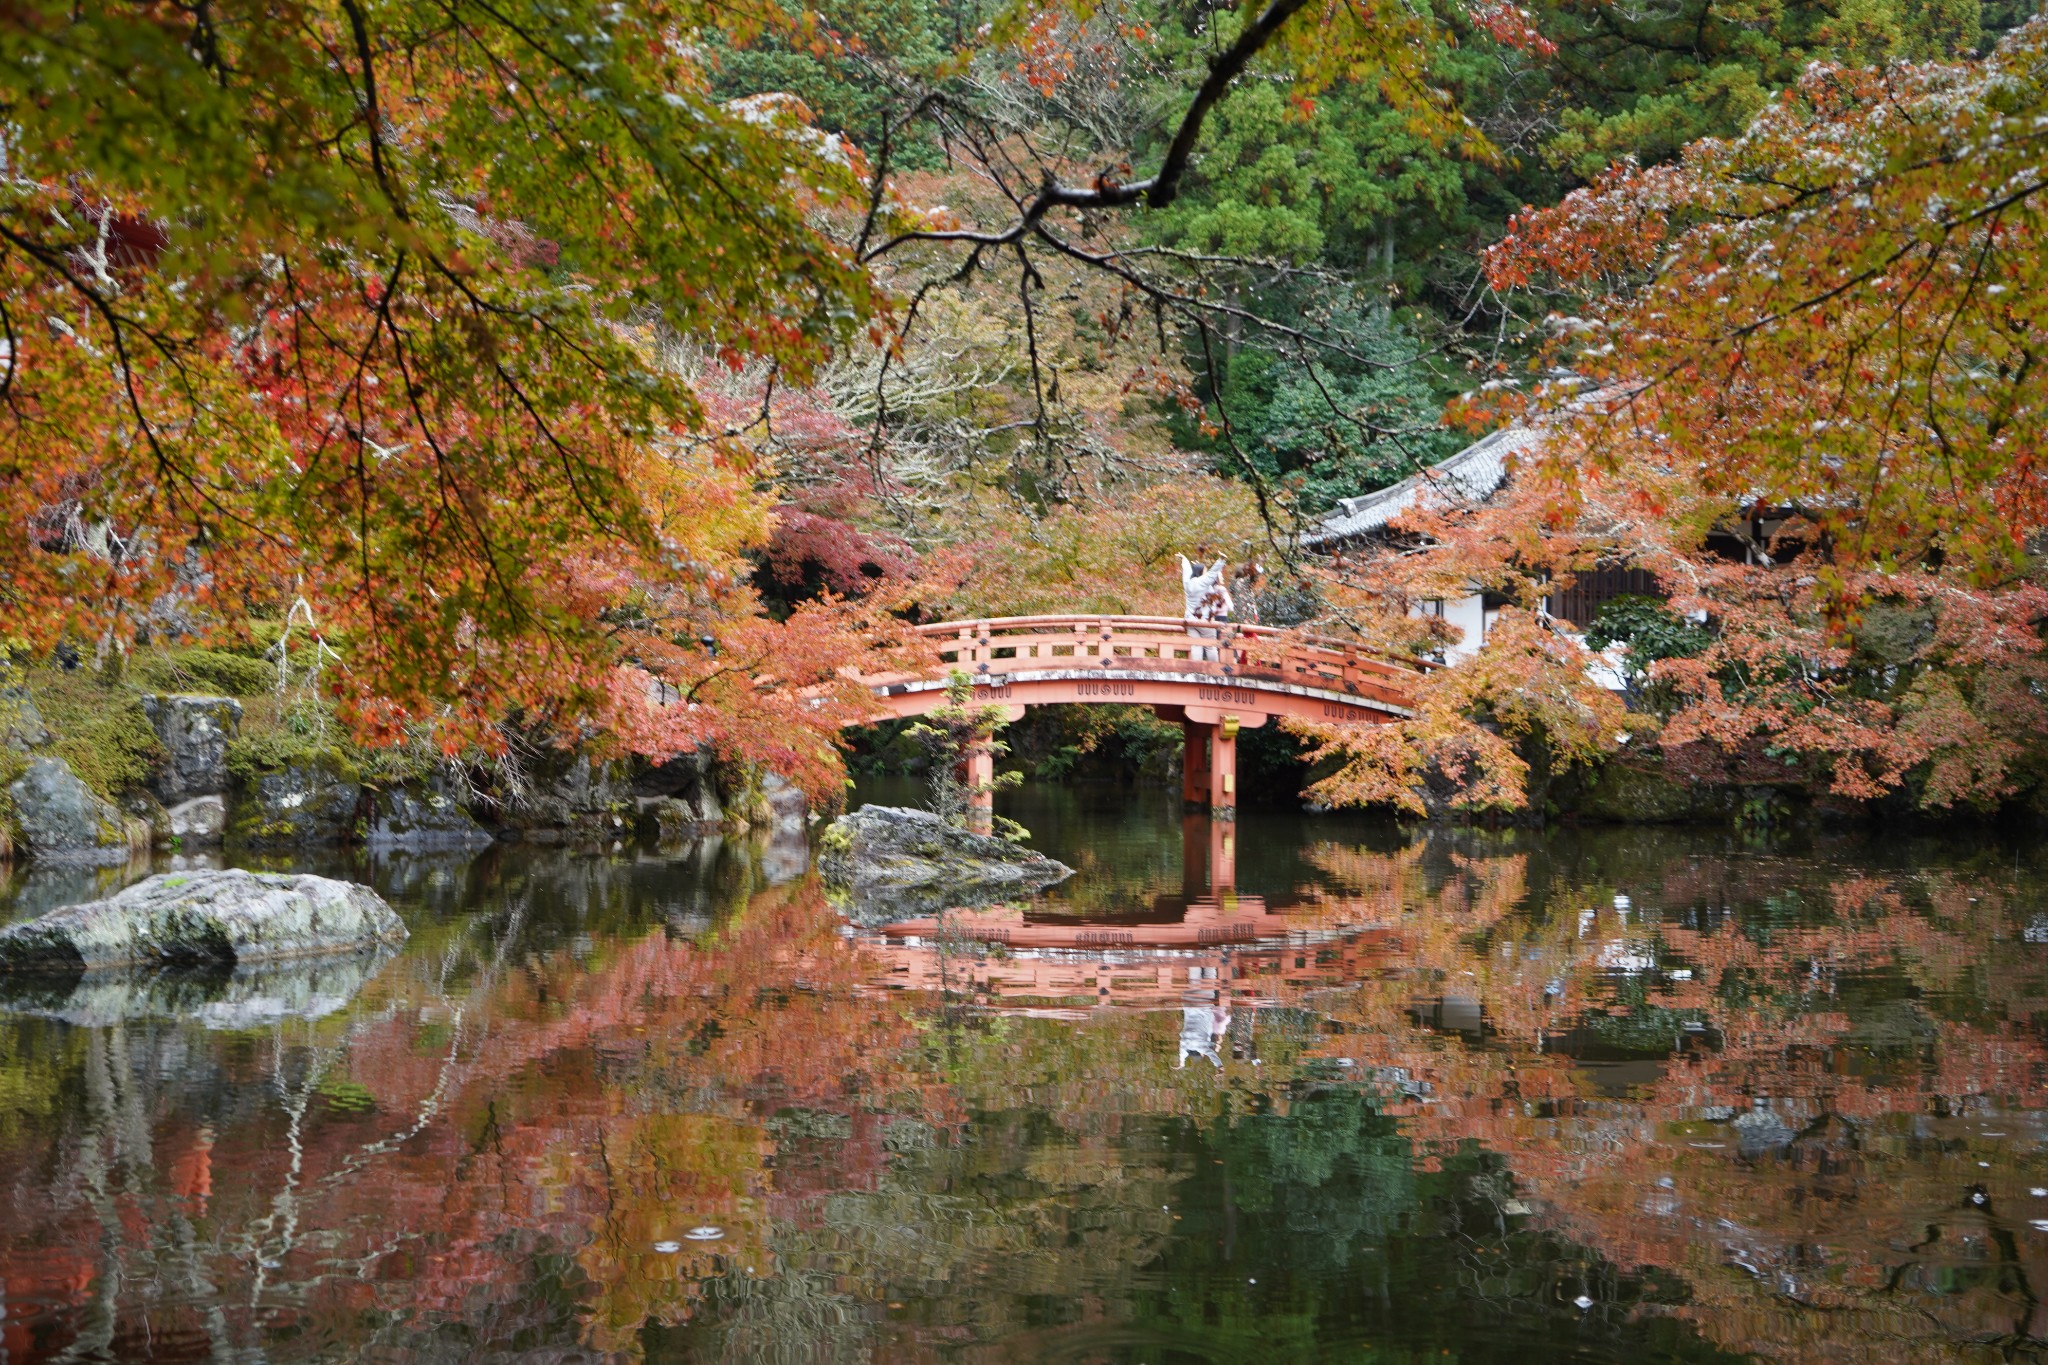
(1214, 952)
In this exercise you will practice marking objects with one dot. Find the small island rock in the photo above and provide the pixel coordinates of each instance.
(898, 863)
(204, 917)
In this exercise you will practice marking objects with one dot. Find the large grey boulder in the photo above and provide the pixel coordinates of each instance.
(195, 732)
(62, 820)
(404, 818)
(226, 917)
(893, 863)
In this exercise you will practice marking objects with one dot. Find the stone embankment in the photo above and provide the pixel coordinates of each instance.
(211, 783)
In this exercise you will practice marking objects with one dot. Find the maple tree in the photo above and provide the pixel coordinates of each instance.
(1822, 336)
(1834, 313)
(1794, 376)
(368, 306)
(1471, 727)
(409, 315)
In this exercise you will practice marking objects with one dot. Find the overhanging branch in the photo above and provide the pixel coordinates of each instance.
(1157, 190)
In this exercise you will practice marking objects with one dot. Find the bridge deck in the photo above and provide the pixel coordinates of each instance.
(1163, 661)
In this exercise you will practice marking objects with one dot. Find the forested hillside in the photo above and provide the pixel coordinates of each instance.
(623, 376)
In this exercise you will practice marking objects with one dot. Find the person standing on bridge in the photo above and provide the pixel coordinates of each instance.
(1207, 597)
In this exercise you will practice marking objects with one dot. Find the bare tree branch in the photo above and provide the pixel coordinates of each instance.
(1157, 190)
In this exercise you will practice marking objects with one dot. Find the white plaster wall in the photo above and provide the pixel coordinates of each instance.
(1468, 614)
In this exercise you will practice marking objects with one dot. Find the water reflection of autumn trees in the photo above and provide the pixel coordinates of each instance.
(1815, 1094)
(1792, 1106)
(495, 1143)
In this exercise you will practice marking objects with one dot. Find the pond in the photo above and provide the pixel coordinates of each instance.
(1301, 1088)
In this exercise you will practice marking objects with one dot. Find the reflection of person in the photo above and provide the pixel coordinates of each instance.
(1201, 1032)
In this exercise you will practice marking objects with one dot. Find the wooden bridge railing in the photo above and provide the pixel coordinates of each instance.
(1186, 669)
(1229, 649)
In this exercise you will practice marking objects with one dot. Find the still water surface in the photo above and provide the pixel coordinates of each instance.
(1305, 1089)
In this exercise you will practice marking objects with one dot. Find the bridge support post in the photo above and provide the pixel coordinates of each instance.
(1194, 765)
(1208, 767)
(1223, 770)
(978, 773)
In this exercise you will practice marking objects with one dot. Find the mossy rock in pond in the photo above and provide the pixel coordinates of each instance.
(888, 863)
(224, 917)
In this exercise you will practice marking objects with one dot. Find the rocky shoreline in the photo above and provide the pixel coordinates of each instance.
(210, 786)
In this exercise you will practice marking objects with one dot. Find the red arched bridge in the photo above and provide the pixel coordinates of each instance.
(1215, 678)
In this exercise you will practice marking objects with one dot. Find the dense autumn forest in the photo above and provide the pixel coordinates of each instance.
(624, 375)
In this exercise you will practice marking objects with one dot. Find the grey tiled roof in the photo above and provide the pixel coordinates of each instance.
(1472, 475)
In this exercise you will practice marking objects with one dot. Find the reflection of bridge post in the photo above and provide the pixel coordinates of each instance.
(1208, 767)
(1208, 856)
(978, 773)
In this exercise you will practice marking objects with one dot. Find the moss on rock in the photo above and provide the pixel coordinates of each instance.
(63, 819)
(102, 732)
(205, 670)
(285, 796)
